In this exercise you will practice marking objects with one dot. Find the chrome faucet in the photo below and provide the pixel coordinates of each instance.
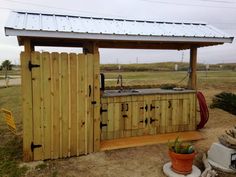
(120, 80)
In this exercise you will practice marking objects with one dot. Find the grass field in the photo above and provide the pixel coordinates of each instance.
(11, 145)
(204, 79)
(10, 98)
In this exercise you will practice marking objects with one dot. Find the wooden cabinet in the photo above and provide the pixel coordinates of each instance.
(177, 113)
(116, 120)
(139, 115)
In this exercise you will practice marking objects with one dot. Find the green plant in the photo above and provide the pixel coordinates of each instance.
(180, 147)
(225, 101)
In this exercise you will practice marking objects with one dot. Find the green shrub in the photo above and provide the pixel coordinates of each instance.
(225, 101)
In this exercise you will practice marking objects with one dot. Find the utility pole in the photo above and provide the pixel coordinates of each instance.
(182, 58)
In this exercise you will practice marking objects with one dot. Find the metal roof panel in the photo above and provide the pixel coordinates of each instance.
(33, 22)
(38, 22)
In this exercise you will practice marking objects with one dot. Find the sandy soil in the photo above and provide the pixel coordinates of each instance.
(13, 81)
(144, 161)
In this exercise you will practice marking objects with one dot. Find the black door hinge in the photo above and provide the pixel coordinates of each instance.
(93, 102)
(146, 121)
(153, 107)
(33, 146)
(102, 110)
(152, 120)
(146, 107)
(102, 125)
(30, 65)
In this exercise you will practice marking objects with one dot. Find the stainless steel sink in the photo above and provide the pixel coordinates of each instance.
(121, 92)
(128, 91)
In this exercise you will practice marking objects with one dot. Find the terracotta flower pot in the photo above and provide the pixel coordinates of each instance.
(182, 163)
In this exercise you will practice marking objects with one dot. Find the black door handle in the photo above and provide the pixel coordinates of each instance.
(102, 76)
(90, 90)
(127, 107)
(169, 102)
(122, 107)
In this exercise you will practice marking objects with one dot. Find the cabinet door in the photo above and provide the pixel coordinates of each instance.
(183, 120)
(175, 115)
(154, 117)
(138, 118)
(114, 119)
(126, 108)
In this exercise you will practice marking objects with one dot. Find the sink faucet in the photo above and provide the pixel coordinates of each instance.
(120, 80)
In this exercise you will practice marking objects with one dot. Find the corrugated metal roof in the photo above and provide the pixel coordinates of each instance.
(66, 26)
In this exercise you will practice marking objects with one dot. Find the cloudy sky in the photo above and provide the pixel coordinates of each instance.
(219, 13)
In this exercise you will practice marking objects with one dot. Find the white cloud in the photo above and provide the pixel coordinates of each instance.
(223, 18)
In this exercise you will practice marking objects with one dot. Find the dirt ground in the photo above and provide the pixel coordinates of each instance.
(144, 161)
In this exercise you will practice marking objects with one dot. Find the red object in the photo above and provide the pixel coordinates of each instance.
(182, 163)
(204, 112)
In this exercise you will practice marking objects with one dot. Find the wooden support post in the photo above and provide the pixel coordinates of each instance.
(27, 101)
(92, 48)
(192, 82)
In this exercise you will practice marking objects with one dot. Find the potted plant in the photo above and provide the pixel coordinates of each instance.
(181, 155)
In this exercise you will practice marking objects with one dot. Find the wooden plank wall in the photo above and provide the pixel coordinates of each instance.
(169, 113)
(63, 88)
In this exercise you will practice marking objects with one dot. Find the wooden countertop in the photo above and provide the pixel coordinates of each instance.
(130, 92)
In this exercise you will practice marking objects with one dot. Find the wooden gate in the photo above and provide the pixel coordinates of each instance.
(65, 105)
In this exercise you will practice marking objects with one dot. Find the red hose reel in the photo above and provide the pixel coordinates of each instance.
(204, 112)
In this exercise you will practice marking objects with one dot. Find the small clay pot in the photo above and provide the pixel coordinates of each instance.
(182, 163)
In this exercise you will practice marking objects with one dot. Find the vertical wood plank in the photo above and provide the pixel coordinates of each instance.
(82, 104)
(78, 75)
(169, 115)
(90, 126)
(110, 119)
(26, 89)
(60, 107)
(73, 104)
(186, 112)
(163, 116)
(37, 126)
(46, 84)
(145, 116)
(87, 106)
(116, 120)
(42, 105)
(65, 103)
(96, 88)
(180, 119)
(191, 125)
(193, 111)
(135, 116)
(157, 116)
(56, 105)
(51, 106)
(175, 113)
(104, 119)
(69, 106)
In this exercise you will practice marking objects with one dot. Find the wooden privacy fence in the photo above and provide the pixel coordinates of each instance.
(60, 104)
